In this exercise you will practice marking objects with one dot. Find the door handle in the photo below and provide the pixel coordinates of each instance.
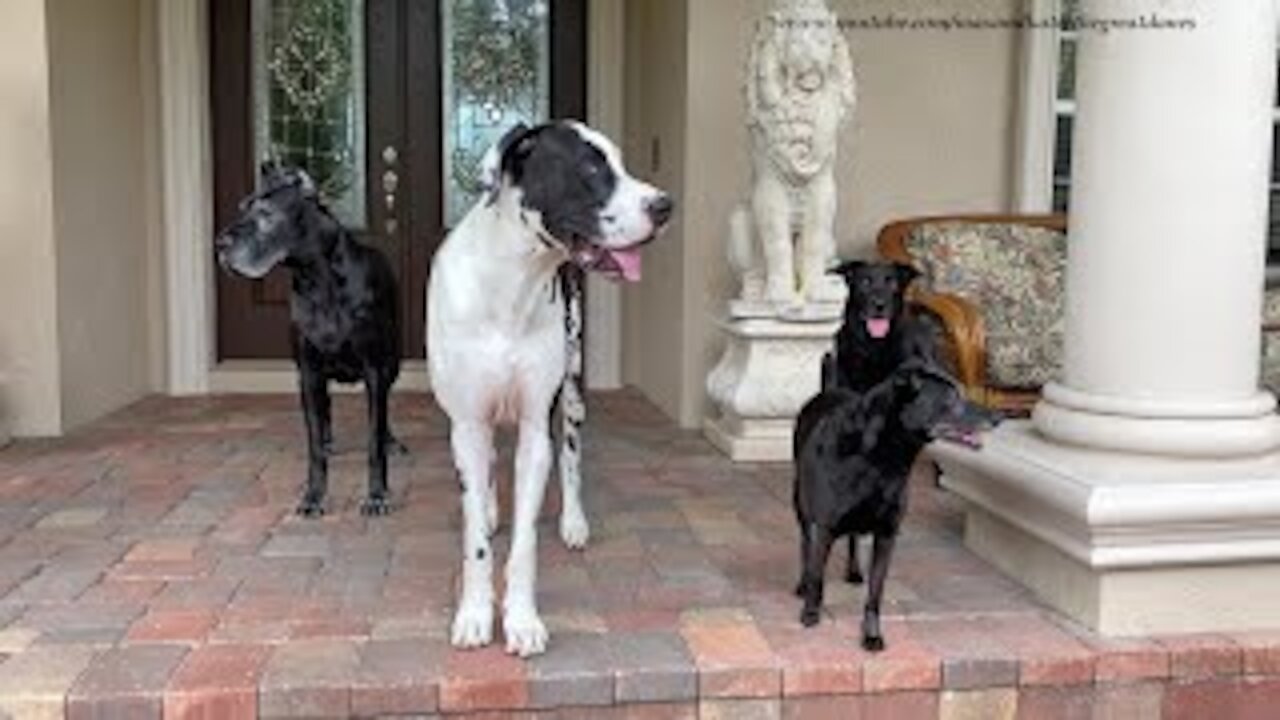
(390, 183)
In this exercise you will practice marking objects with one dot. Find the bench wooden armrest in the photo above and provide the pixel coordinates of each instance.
(964, 334)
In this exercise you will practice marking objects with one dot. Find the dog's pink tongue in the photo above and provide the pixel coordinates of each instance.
(628, 261)
(878, 327)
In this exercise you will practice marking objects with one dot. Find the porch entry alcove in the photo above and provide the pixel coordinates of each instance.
(389, 105)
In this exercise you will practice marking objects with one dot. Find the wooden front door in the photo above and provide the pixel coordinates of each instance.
(388, 104)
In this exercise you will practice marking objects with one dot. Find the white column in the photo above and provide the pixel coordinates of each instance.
(1172, 152)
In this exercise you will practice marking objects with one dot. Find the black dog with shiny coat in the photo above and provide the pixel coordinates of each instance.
(345, 318)
(853, 455)
(878, 334)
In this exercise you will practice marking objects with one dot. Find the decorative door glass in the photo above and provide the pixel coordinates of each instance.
(497, 72)
(309, 95)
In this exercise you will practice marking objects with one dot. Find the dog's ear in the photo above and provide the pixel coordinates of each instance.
(270, 167)
(499, 158)
(847, 268)
(306, 185)
(906, 274)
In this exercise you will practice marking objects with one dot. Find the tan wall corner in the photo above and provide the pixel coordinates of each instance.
(30, 401)
(99, 169)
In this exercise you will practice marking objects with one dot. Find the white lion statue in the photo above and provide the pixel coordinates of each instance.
(799, 88)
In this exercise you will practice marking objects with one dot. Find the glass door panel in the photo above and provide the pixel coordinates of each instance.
(496, 59)
(309, 95)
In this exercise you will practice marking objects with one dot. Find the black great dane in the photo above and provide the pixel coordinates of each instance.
(343, 305)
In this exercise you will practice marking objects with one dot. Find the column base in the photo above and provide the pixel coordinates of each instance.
(1207, 430)
(1126, 544)
(1139, 602)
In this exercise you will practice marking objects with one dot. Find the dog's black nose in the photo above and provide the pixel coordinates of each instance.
(660, 209)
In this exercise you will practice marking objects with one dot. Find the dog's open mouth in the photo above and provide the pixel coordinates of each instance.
(967, 429)
(879, 328)
(614, 263)
(968, 437)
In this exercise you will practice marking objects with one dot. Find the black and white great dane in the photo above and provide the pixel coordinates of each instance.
(504, 322)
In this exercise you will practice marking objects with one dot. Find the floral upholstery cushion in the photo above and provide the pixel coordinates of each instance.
(1271, 340)
(1014, 275)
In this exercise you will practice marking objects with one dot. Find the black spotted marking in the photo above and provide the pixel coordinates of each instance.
(480, 554)
(563, 177)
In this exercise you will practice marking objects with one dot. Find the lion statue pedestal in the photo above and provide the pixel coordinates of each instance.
(769, 370)
(799, 88)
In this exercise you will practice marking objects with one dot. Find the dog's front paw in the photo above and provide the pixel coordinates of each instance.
(526, 634)
(574, 530)
(311, 506)
(376, 506)
(853, 576)
(810, 616)
(873, 643)
(473, 625)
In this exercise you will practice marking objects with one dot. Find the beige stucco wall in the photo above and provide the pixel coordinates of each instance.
(654, 311)
(99, 202)
(29, 396)
(77, 228)
(933, 132)
(152, 192)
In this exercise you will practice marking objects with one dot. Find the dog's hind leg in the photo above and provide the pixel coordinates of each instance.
(377, 388)
(853, 571)
(525, 631)
(473, 453)
(872, 639)
(574, 530)
(815, 567)
(315, 410)
(804, 556)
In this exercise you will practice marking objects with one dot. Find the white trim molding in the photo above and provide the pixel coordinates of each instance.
(1037, 122)
(605, 87)
(188, 190)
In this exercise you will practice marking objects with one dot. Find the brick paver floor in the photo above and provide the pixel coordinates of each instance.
(150, 566)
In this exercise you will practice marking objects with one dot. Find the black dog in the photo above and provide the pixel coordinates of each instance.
(878, 334)
(853, 454)
(345, 319)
